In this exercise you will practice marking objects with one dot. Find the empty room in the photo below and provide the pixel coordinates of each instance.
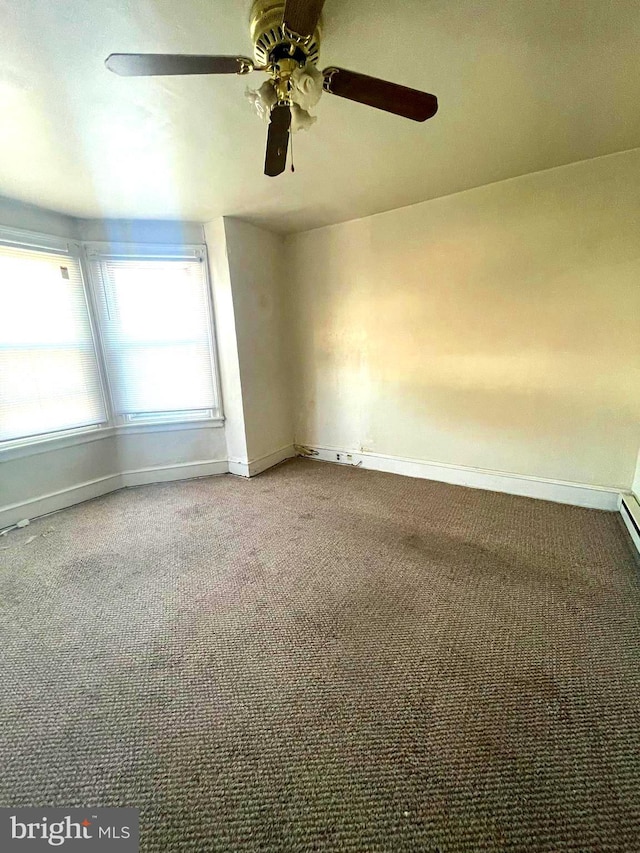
(320, 426)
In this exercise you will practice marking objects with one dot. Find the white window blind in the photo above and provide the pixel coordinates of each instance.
(156, 328)
(49, 376)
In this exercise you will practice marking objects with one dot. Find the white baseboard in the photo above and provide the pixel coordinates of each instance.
(630, 512)
(167, 473)
(240, 469)
(577, 494)
(44, 504)
(257, 466)
(54, 501)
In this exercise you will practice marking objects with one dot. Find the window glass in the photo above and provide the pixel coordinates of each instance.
(49, 375)
(156, 327)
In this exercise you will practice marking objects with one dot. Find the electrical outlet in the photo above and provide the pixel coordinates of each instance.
(337, 457)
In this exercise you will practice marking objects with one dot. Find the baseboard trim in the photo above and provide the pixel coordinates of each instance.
(257, 466)
(576, 494)
(559, 491)
(240, 469)
(630, 512)
(44, 504)
(167, 473)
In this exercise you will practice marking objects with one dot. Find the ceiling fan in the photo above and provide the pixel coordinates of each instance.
(286, 38)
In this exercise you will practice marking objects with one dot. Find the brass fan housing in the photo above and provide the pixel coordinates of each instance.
(271, 39)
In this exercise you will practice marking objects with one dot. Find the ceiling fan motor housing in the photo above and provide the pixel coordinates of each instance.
(271, 40)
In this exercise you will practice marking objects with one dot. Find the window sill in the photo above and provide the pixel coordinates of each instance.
(46, 445)
(134, 429)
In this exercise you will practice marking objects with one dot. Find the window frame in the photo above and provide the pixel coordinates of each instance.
(86, 253)
(94, 252)
(49, 244)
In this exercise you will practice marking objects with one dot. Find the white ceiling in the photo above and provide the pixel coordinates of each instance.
(523, 85)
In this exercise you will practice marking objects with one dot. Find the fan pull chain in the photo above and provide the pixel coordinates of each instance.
(293, 168)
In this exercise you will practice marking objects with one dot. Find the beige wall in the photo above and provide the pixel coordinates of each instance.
(15, 214)
(43, 473)
(139, 231)
(175, 446)
(47, 471)
(497, 328)
(255, 268)
(226, 341)
(636, 479)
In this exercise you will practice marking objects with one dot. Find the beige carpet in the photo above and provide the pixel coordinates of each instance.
(326, 659)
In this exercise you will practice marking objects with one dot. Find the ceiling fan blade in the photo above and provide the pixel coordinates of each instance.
(278, 140)
(409, 103)
(150, 64)
(302, 16)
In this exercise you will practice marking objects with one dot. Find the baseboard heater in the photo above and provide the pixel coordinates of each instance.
(630, 512)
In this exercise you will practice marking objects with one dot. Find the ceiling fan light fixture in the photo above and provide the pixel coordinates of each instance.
(306, 86)
(286, 40)
(263, 99)
(301, 119)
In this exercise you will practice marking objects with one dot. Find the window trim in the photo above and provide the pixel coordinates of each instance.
(50, 244)
(85, 252)
(20, 239)
(95, 251)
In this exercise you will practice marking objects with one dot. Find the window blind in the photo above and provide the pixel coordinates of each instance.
(49, 376)
(156, 328)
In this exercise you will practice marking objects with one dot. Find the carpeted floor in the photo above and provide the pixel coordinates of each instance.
(327, 659)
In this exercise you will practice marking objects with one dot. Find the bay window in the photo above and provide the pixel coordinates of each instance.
(132, 344)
